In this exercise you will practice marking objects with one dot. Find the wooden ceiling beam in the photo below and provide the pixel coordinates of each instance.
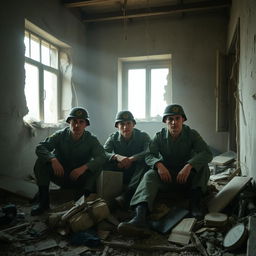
(90, 3)
(158, 11)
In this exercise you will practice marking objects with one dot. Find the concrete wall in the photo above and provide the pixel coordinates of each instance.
(246, 12)
(192, 40)
(17, 146)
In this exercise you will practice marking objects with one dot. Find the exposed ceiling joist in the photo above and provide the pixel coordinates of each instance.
(123, 12)
(156, 13)
(91, 3)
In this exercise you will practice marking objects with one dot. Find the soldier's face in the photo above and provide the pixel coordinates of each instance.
(126, 128)
(77, 126)
(174, 124)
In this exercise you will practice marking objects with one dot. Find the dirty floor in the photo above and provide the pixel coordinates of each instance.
(31, 236)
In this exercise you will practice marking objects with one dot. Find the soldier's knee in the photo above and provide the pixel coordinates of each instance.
(150, 175)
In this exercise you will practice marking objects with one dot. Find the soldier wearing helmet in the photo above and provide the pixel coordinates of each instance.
(125, 150)
(78, 113)
(71, 158)
(178, 158)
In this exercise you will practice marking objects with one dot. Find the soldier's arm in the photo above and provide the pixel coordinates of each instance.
(141, 155)
(109, 148)
(98, 155)
(44, 150)
(153, 155)
(202, 155)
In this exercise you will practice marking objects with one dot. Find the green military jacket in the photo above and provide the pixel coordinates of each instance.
(189, 147)
(136, 146)
(72, 154)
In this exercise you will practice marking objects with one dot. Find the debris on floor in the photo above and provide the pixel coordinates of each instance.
(228, 228)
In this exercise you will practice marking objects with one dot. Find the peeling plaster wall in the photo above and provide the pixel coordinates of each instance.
(246, 11)
(192, 40)
(17, 146)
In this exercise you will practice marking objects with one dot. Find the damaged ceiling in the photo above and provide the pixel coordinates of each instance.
(109, 10)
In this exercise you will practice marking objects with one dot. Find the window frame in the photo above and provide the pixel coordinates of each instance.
(41, 68)
(148, 65)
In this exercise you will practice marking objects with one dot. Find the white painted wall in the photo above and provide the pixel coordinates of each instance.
(246, 11)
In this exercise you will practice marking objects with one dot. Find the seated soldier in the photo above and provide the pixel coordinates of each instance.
(178, 157)
(71, 158)
(125, 150)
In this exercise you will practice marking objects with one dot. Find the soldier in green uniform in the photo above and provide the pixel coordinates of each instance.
(125, 150)
(71, 158)
(178, 157)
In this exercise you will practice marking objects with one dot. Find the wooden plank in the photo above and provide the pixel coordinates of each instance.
(138, 14)
(222, 160)
(251, 245)
(181, 233)
(228, 192)
(196, 241)
(90, 3)
(148, 247)
(18, 186)
(15, 228)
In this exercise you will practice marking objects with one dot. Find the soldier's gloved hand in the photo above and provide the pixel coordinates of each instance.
(184, 173)
(163, 172)
(57, 167)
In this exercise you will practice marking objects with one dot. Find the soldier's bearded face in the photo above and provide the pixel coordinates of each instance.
(174, 124)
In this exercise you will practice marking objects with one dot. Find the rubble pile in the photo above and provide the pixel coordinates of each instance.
(228, 227)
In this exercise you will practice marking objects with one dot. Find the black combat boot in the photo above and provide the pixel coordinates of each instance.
(43, 205)
(137, 226)
(123, 200)
(195, 203)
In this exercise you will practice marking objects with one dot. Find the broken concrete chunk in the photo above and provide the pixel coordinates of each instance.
(227, 193)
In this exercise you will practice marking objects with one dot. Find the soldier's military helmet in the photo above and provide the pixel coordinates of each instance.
(79, 113)
(123, 116)
(172, 110)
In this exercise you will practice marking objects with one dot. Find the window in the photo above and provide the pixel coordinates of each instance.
(42, 79)
(146, 88)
